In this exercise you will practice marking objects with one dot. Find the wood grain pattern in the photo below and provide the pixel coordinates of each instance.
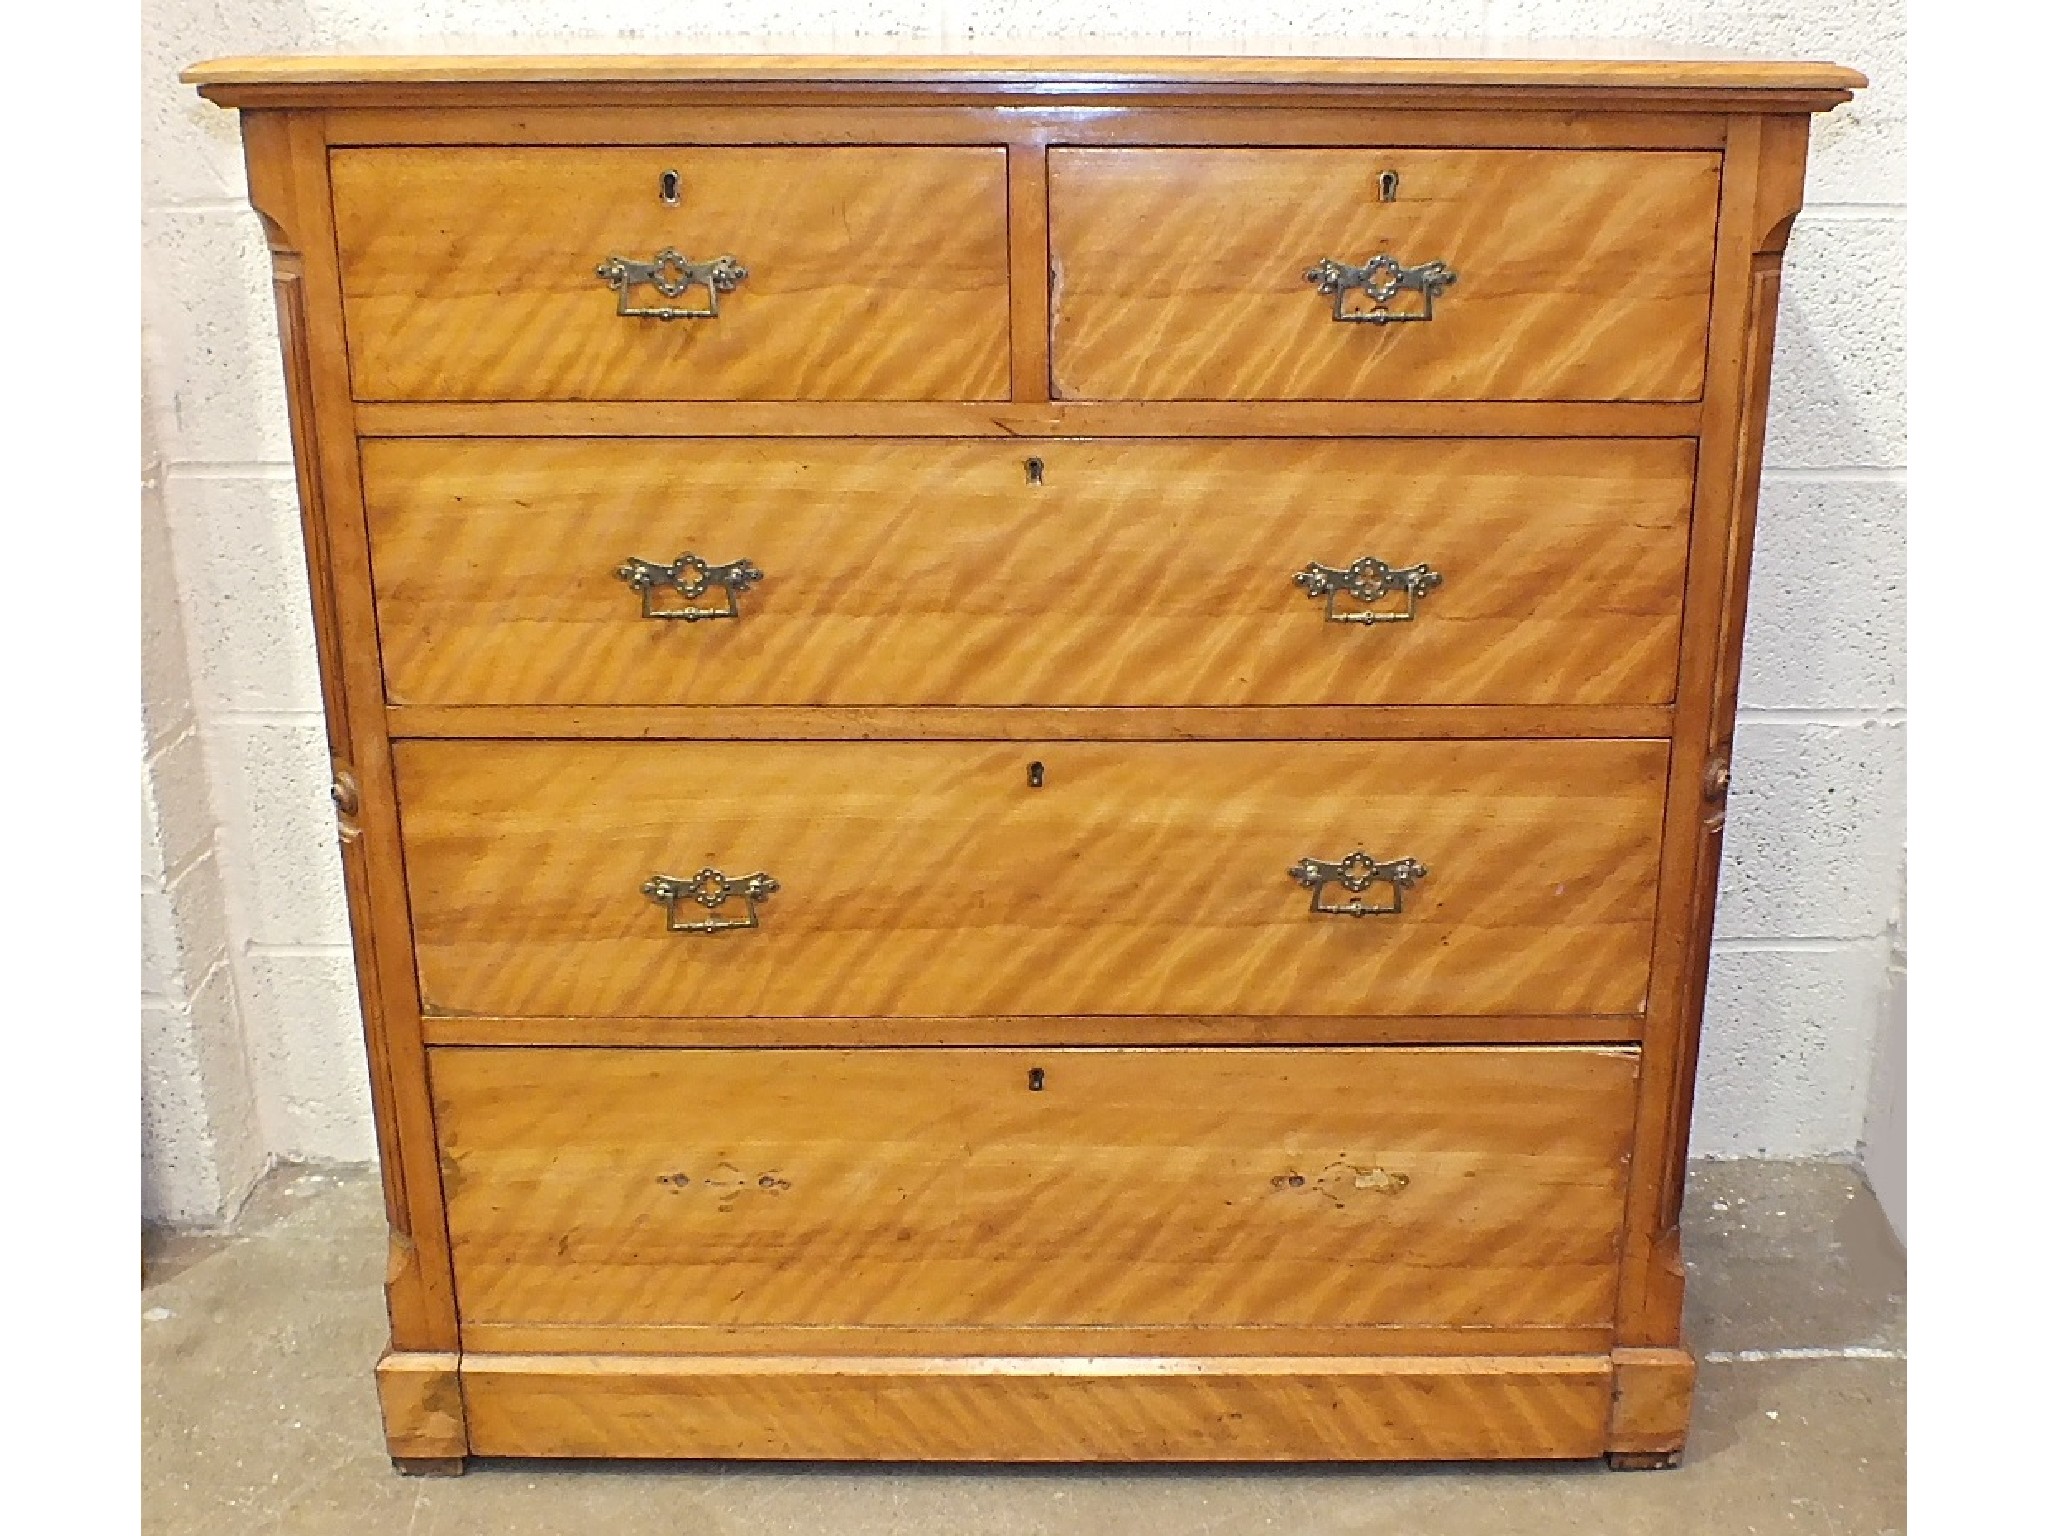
(1178, 273)
(872, 273)
(1046, 1029)
(931, 879)
(1281, 1408)
(1137, 573)
(1652, 1400)
(1096, 1341)
(287, 160)
(1020, 124)
(1030, 272)
(1287, 722)
(1609, 77)
(932, 1189)
(421, 1398)
(1427, 61)
(942, 1261)
(1054, 418)
(1392, 98)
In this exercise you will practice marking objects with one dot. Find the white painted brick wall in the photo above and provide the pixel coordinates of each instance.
(1816, 816)
(203, 1141)
(1884, 1128)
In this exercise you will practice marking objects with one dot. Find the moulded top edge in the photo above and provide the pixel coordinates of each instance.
(1639, 69)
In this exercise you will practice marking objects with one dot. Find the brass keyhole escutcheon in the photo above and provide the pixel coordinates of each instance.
(1034, 471)
(671, 188)
(1390, 183)
(1035, 1080)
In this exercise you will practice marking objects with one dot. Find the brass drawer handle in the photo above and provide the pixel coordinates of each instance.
(671, 274)
(1380, 279)
(710, 889)
(1368, 580)
(1354, 872)
(690, 578)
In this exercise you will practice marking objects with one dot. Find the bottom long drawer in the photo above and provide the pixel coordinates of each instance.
(1245, 1200)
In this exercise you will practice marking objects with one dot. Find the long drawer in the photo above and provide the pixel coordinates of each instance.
(831, 572)
(757, 273)
(680, 1200)
(1381, 274)
(951, 880)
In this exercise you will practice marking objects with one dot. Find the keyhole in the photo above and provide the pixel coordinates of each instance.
(1035, 776)
(1034, 471)
(671, 188)
(1035, 1080)
(1390, 183)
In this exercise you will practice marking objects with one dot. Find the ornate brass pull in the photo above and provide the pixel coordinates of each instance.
(690, 578)
(1354, 872)
(671, 274)
(1380, 279)
(1368, 580)
(710, 889)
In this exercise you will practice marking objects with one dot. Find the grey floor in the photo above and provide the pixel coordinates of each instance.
(259, 1414)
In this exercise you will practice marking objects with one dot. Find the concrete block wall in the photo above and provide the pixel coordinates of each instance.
(1812, 873)
(1884, 1128)
(203, 1144)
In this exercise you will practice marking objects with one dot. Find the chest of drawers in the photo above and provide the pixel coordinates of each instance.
(1030, 754)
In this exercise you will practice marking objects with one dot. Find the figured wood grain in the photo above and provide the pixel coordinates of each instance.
(1053, 418)
(930, 879)
(1295, 722)
(1581, 275)
(917, 1341)
(1044, 1029)
(1089, 919)
(1017, 123)
(1132, 1189)
(1280, 1408)
(1136, 573)
(872, 273)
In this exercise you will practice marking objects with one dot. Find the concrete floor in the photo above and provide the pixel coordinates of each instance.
(259, 1414)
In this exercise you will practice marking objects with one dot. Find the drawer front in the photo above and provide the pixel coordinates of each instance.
(1185, 274)
(929, 1189)
(938, 880)
(869, 273)
(1057, 573)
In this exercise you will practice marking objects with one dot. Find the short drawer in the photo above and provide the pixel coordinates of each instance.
(1397, 274)
(848, 273)
(955, 880)
(683, 1200)
(1004, 573)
